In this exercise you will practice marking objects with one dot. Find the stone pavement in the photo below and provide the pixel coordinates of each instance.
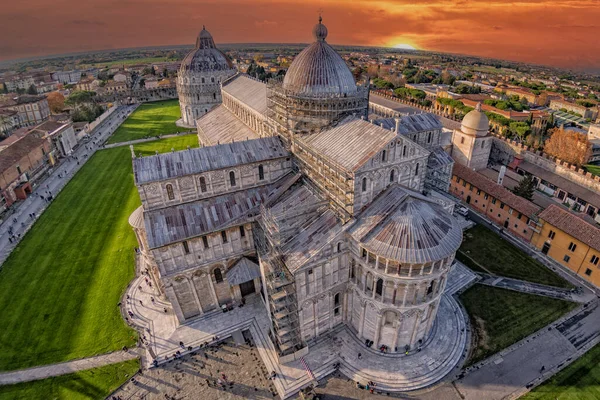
(32, 374)
(162, 340)
(536, 288)
(52, 185)
(459, 278)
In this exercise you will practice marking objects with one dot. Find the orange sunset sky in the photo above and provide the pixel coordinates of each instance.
(563, 33)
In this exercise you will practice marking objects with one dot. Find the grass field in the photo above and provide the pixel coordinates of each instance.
(149, 120)
(488, 252)
(501, 317)
(96, 383)
(59, 289)
(165, 145)
(594, 169)
(578, 381)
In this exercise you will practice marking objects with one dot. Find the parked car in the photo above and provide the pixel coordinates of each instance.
(462, 210)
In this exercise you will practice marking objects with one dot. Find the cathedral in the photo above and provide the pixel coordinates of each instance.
(301, 196)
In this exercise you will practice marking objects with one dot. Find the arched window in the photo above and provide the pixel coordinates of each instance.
(429, 137)
(212, 79)
(482, 143)
(430, 288)
(336, 300)
(232, 178)
(218, 275)
(379, 287)
(186, 248)
(214, 96)
(202, 80)
(170, 193)
(364, 184)
(202, 184)
(352, 271)
(261, 172)
(392, 175)
(224, 236)
(417, 169)
(383, 156)
(404, 151)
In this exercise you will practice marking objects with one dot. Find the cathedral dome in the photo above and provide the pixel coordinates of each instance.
(319, 70)
(206, 56)
(475, 123)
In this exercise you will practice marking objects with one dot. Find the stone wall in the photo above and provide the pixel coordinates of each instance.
(504, 152)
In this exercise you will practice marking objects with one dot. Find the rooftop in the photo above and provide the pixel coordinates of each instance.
(251, 92)
(499, 192)
(195, 161)
(220, 125)
(13, 153)
(572, 225)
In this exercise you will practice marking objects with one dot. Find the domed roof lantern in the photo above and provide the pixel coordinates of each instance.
(320, 31)
(205, 40)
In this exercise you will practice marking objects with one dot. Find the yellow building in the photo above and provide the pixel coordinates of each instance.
(571, 241)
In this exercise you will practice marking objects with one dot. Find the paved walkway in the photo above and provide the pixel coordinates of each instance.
(46, 371)
(162, 339)
(21, 221)
(579, 296)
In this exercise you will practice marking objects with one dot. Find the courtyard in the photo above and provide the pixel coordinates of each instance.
(60, 288)
(149, 120)
(485, 251)
(501, 317)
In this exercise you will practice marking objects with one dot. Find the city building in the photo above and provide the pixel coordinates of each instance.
(24, 158)
(199, 79)
(9, 120)
(583, 111)
(515, 214)
(32, 109)
(571, 241)
(297, 196)
(61, 135)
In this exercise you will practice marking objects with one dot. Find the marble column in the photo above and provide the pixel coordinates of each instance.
(377, 330)
(361, 324)
(170, 292)
(195, 293)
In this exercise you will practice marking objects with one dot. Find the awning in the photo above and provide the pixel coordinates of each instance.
(242, 271)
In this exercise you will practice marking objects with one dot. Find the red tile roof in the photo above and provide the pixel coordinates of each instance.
(572, 225)
(499, 192)
(19, 149)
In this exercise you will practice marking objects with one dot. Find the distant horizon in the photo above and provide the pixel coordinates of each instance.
(224, 45)
(559, 33)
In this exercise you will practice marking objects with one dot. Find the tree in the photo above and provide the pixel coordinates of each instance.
(572, 147)
(31, 89)
(525, 188)
(56, 101)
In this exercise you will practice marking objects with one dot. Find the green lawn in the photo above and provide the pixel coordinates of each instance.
(485, 251)
(578, 381)
(165, 145)
(501, 317)
(594, 169)
(149, 120)
(95, 383)
(59, 289)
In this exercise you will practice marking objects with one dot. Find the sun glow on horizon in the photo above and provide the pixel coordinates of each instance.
(404, 46)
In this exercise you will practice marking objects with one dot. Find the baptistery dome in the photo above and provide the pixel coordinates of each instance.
(205, 56)
(319, 70)
(199, 79)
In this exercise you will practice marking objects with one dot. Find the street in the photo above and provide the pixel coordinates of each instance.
(29, 210)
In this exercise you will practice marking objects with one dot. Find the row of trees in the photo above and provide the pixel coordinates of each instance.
(85, 106)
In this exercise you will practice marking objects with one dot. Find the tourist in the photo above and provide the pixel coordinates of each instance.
(165, 310)
(359, 356)
(141, 303)
(152, 300)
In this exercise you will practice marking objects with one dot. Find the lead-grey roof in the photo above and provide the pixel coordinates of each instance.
(251, 92)
(242, 271)
(352, 143)
(439, 158)
(405, 226)
(176, 223)
(220, 125)
(194, 161)
(411, 124)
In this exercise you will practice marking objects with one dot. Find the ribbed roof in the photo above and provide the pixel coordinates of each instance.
(352, 143)
(136, 219)
(205, 56)
(405, 226)
(194, 161)
(220, 125)
(319, 70)
(251, 92)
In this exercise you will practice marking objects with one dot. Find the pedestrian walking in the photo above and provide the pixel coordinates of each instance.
(141, 303)
(359, 356)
